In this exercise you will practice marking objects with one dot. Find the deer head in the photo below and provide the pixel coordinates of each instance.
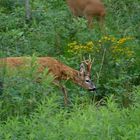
(85, 75)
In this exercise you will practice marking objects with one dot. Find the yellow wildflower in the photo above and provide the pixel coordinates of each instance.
(90, 43)
(123, 40)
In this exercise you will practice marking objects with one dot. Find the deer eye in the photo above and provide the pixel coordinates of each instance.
(87, 81)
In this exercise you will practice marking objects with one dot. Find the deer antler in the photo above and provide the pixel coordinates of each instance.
(88, 63)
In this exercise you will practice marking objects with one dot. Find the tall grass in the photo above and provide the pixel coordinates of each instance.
(35, 111)
(50, 121)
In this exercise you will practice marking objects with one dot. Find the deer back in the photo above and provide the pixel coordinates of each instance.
(83, 7)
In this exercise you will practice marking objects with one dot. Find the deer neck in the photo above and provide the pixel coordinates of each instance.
(71, 74)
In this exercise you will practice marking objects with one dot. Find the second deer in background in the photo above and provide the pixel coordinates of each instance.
(88, 9)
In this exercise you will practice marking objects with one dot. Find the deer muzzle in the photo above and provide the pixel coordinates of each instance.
(93, 89)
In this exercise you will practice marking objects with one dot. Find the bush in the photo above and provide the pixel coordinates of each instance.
(21, 91)
(50, 121)
(32, 110)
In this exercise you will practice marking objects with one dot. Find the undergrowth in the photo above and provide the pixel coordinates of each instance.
(35, 110)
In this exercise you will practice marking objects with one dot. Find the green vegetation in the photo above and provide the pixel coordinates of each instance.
(36, 111)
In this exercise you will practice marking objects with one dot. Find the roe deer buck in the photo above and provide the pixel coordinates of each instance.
(58, 69)
(89, 9)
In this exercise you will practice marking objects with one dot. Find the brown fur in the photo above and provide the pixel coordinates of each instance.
(89, 9)
(55, 67)
(58, 69)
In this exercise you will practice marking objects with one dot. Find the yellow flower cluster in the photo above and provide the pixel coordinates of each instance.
(123, 40)
(114, 45)
(118, 48)
(107, 38)
(75, 47)
(122, 51)
(114, 40)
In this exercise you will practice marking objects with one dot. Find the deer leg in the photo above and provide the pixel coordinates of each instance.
(89, 19)
(63, 90)
(101, 22)
(65, 94)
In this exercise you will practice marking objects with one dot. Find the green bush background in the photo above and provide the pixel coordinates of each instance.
(35, 111)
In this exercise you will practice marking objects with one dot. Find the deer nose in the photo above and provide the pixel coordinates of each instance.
(93, 89)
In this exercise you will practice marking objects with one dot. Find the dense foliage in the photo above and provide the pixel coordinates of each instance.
(36, 111)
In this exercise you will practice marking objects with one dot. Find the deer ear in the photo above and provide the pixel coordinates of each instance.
(82, 70)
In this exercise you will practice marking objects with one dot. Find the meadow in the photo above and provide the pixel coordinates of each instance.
(35, 111)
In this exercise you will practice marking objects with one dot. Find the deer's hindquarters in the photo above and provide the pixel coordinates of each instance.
(92, 11)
